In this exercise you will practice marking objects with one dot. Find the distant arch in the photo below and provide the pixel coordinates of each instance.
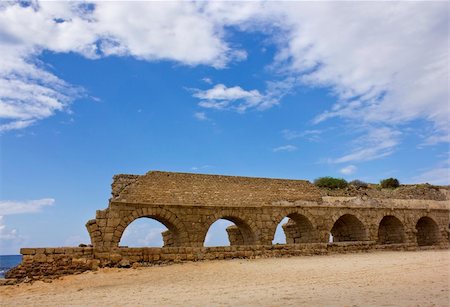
(298, 229)
(348, 228)
(391, 230)
(241, 233)
(146, 232)
(175, 235)
(427, 231)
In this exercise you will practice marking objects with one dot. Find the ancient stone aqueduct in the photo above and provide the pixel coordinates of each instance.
(188, 204)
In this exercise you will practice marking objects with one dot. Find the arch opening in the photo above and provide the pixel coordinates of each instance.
(293, 229)
(348, 228)
(427, 231)
(228, 231)
(148, 231)
(391, 230)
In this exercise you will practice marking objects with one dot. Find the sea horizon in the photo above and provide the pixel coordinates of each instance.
(7, 262)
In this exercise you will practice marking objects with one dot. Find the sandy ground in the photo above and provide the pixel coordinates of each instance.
(374, 279)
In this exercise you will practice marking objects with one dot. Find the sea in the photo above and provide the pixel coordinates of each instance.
(7, 262)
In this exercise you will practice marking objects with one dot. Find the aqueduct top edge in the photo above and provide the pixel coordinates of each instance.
(187, 189)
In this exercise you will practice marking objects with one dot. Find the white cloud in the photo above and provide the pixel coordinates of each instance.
(10, 239)
(7, 234)
(310, 135)
(207, 80)
(29, 92)
(285, 148)
(8, 207)
(201, 116)
(203, 167)
(217, 234)
(439, 175)
(236, 98)
(383, 66)
(220, 97)
(16, 125)
(348, 170)
(374, 144)
(161, 30)
(144, 232)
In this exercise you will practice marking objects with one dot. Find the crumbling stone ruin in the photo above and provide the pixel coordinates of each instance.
(188, 204)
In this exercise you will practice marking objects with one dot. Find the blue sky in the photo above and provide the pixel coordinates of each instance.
(291, 90)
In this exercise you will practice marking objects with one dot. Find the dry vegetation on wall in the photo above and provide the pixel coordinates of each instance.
(389, 183)
(331, 183)
(358, 183)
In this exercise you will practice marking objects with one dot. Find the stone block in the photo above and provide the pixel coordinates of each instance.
(28, 251)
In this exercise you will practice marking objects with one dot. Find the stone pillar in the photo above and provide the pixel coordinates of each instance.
(168, 238)
(235, 235)
(291, 232)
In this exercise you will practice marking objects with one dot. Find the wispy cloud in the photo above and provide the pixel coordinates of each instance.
(201, 116)
(10, 239)
(404, 80)
(387, 90)
(8, 234)
(348, 170)
(238, 99)
(310, 135)
(221, 97)
(141, 234)
(202, 167)
(8, 207)
(207, 80)
(285, 148)
(217, 234)
(439, 175)
(376, 143)
(30, 92)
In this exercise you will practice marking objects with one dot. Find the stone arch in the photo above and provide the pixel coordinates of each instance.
(176, 234)
(243, 232)
(427, 231)
(391, 230)
(348, 228)
(299, 228)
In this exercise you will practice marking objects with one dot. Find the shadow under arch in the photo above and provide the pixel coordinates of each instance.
(298, 229)
(241, 233)
(391, 230)
(175, 235)
(427, 231)
(348, 228)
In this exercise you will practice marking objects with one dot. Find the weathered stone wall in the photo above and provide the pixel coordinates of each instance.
(47, 263)
(166, 188)
(188, 204)
(41, 263)
(412, 191)
(188, 225)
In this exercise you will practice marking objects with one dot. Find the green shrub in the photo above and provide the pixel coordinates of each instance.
(358, 183)
(330, 183)
(389, 183)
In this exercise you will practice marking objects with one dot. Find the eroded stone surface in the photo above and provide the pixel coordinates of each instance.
(188, 204)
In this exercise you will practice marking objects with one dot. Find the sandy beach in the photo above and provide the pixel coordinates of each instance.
(373, 279)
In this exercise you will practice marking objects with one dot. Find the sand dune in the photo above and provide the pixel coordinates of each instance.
(373, 279)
